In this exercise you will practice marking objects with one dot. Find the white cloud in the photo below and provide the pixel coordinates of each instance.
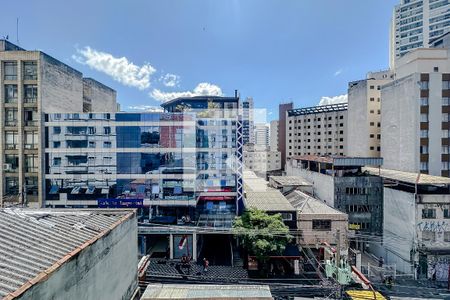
(170, 80)
(333, 100)
(202, 89)
(119, 68)
(338, 72)
(147, 108)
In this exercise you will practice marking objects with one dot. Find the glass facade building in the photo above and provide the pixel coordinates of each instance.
(182, 163)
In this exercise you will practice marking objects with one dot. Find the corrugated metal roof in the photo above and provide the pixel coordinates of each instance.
(33, 243)
(306, 204)
(342, 160)
(269, 200)
(290, 180)
(204, 291)
(409, 177)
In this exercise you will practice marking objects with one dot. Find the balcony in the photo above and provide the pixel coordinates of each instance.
(11, 101)
(31, 123)
(31, 169)
(11, 146)
(30, 100)
(11, 123)
(31, 146)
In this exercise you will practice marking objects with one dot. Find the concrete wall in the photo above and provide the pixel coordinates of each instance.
(313, 237)
(99, 97)
(400, 133)
(398, 228)
(61, 87)
(358, 126)
(105, 270)
(274, 135)
(323, 185)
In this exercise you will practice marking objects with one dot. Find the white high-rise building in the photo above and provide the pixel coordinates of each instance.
(261, 135)
(415, 23)
(273, 144)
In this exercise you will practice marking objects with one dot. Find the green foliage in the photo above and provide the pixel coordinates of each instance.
(262, 234)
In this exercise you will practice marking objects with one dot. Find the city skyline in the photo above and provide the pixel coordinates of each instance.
(244, 51)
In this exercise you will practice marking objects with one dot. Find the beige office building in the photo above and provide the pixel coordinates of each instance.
(317, 130)
(33, 83)
(364, 114)
(416, 114)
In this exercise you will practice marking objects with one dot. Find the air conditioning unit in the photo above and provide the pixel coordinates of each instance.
(7, 167)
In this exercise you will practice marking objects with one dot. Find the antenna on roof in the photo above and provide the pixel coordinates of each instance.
(17, 30)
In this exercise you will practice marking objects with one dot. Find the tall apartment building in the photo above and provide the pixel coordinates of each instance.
(31, 83)
(415, 23)
(248, 124)
(273, 135)
(261, 136)
(415, 114)
(260, 160)
(317, 130)
(364, 113)
(282, 115)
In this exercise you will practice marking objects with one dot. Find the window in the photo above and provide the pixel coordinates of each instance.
(286, 216)
(423, 117)
(423, 149)
(445, 117)
(10, 71)
(11, 139)
(324, 225)
(372, 87)
(423, 166)
(424, 133)
(444, 165)
(429, 236)
(56, 130)
(372, 99)
(31, 163)
(106, 144)
(446, 236)
(31, 139)
(56, 161)
(91, 130)
(91, 144)
(424, 85)
(445, 133)
(372, 124)
(428, 213)
(11, 117)
(424, 101)
(10, 93)
(30, 93)
(446, 213)
(30, 70)
(444, 149)
(57, 144)
(445, 101)
(445, 85)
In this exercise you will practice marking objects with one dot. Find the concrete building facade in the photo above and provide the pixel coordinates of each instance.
(340, 182)
(282, 117)
(273, 135)
(415, 114)
(415, 24)
(318, 130)
(416, 227)
(261, 161)
(31, 83)
(261, 136)
(364, 113)
(248, 124)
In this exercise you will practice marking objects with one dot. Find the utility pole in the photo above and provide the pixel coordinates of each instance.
(338, 250)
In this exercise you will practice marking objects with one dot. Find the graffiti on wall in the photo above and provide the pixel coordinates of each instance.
(438, 267)
(434, 226)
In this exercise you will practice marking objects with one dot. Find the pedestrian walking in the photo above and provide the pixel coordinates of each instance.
(205, 264)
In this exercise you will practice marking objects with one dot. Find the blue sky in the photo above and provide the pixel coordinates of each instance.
(272, 50)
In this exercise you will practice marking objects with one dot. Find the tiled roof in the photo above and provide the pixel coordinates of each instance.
(270, 200)
(34, 243)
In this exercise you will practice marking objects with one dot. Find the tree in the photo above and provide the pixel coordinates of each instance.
(262, 234)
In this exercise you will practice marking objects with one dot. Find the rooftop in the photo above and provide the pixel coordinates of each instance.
(290, 180)
(205, 291)
(306, 204)
(200, 98)
(342, 160)
(317, 109)
(34, 243)
(409, 177)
